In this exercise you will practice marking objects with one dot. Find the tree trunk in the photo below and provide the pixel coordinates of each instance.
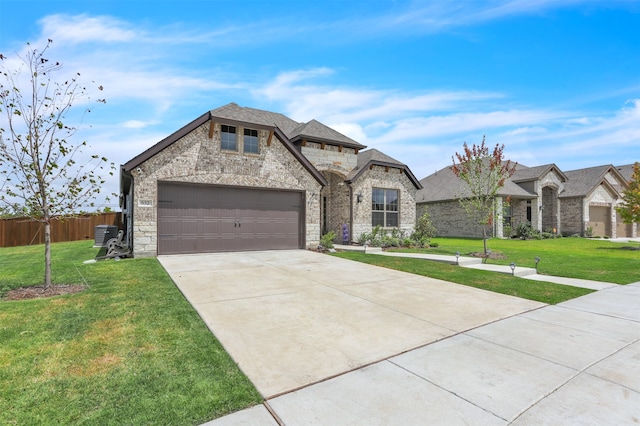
(484, 242)
(47, 254)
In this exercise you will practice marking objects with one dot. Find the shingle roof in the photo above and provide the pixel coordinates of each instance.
(235, 112)
(313, 130)
(444, 185)
(375, 157)
(582, 181)
(626, 171)
(524, 173)
(372, 154)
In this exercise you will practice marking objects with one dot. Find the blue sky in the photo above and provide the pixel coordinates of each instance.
(554, 81)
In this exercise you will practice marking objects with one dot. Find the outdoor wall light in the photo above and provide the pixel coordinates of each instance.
(513, 268)
(457, 257)
(537, 259)
(359, 198)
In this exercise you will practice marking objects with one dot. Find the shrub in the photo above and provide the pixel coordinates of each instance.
(506, 230)
(326, 240)
(408, 242)
(424, 229)
(526, 232)
(588, 232)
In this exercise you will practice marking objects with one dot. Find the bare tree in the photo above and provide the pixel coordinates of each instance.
(484, 173)
(45, 175)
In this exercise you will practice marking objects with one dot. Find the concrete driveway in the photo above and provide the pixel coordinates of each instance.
(363, 338)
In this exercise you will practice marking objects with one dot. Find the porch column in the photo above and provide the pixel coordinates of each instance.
(498, 225)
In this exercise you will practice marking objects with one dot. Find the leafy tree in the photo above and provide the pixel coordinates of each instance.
(484, 173)
(45, 175)
(629, 209)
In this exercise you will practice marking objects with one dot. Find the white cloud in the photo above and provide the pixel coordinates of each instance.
(423, 127)
(138, 124)
(84, 29)
(434, 124)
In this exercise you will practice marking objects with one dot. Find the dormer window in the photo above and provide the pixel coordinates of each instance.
(228, 138)
(251, 144)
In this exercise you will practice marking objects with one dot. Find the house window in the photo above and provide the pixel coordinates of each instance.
(228, 138)
(508, 213)
(529, 210)
(251, 144)
(384, 207)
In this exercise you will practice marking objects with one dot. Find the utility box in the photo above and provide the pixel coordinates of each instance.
(104, 233)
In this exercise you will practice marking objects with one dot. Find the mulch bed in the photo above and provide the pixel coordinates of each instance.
(39, 291)
(491, 255)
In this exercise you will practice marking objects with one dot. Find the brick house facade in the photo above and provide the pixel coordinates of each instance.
(245, 179)
(576, 202)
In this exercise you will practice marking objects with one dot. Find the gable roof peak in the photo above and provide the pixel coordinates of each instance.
(316, 131)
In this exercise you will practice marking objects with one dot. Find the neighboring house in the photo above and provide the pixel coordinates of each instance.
(565, 203)
(240, 178)
(627, 173)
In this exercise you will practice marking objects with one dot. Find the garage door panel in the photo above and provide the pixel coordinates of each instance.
(204, 218)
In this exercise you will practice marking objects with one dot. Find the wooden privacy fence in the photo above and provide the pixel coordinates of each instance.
(23, 232)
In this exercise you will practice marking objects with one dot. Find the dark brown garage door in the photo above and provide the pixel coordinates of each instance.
(196, 218)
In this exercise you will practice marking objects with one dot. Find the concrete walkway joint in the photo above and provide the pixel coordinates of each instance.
(328, 341)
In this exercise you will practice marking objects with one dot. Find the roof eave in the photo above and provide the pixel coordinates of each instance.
(402, 167)
(300, 138)
(244, 124)
(164, 143)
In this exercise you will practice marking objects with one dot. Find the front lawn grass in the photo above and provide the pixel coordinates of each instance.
(598, 260)
(500, 283)
(128, 350)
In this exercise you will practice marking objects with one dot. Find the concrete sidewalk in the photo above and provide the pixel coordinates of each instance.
(476, 263)
(329, 341)
(574, 363)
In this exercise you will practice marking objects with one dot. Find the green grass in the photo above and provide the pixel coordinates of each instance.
(492, 281)
(599, 260)
(128, 350)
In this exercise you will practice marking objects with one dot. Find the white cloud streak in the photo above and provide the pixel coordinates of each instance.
(146, 89)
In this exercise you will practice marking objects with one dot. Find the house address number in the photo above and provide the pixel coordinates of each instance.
(145, 203)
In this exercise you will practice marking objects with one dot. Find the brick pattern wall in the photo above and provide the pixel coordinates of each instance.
(518, 214)
(337, 205)
(550, 209)
(198, 159)
(380, 177)
(450, 219)
(572, 216)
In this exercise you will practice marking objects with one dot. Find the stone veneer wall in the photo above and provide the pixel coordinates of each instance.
(198, 159)
(330, 158)
(379, 177)
(338, 204)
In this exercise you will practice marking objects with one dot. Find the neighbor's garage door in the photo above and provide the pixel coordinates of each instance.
(196, 218)
(623, 229)
(600, 220)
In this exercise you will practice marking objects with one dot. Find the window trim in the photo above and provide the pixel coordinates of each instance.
(235, 137)
(385, 211)
(244, 140)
